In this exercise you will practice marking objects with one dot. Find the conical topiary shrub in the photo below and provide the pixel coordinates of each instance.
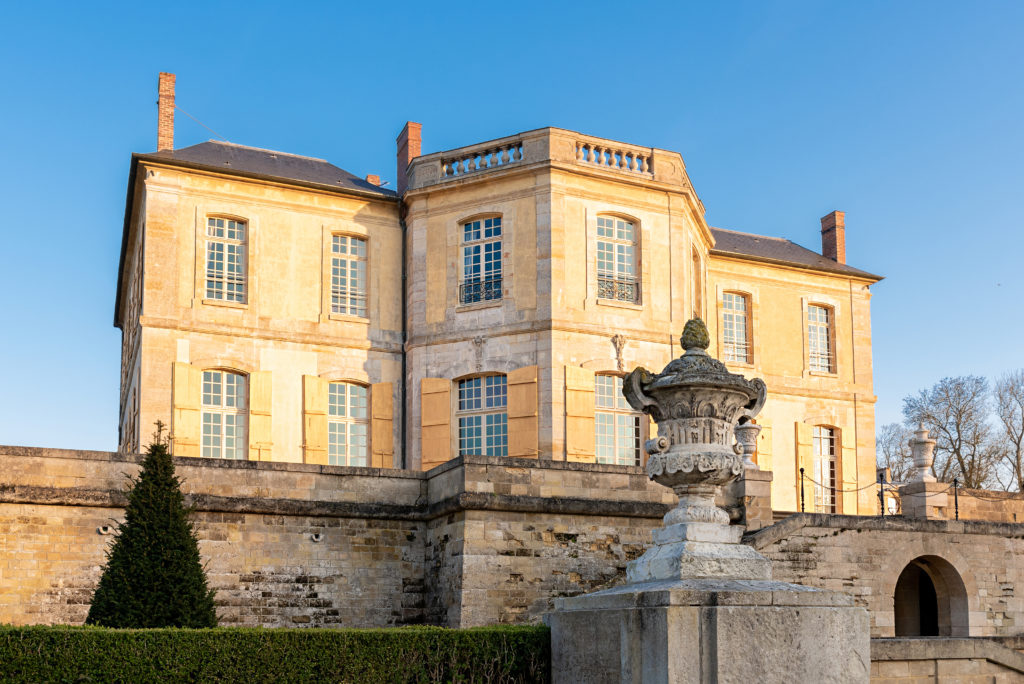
(153, 576)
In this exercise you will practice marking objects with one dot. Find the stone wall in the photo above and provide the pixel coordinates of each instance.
(864, 556)
(951, 661)
(985, 504)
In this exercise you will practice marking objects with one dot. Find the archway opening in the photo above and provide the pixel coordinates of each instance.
(930, 599)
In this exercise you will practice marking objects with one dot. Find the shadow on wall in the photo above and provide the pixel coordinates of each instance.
(930, 600)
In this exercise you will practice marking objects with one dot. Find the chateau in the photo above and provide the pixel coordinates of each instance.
(277, 308)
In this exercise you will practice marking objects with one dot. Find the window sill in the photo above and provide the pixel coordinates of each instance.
(739, 364)
(348, 318)
(225, 303)
(822, 374)
(620, 304)
(489, 304)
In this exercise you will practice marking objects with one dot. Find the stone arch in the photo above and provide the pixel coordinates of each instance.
(930, 599)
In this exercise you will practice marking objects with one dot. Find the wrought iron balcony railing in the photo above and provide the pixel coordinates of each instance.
(473, 291)
(619, 288)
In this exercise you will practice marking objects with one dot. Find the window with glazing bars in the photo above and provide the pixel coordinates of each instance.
(819, 334)
(824, 469)
(225, 259)
(347, 424)
(616, 260)
(224, 412)
(482, 416)
(735, 327)
(616, 425)
(481, 261)
(348, 275)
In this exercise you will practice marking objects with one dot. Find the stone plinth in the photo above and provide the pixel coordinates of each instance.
(749, 499)
(710, 631)
(925, 500)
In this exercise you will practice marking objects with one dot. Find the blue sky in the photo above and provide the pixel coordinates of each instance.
(906, 115)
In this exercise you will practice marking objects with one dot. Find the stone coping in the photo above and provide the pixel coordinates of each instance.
(789, 526)
(706, 592)
(946, 648)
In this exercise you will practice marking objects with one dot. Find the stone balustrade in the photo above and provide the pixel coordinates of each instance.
(483, 157)
(614, 156)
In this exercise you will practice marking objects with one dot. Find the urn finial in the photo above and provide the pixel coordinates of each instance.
(695, 335)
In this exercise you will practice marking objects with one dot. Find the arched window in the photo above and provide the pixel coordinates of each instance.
(617, 426)
(347, 424)
(736, 328)
(348, 275)
(824, 442)
(226, 259)
(483, 416)
(225, 407)
(820, 338)
(481, 260)
(617, 250)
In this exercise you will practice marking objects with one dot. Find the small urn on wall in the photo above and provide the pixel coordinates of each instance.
(922, 449)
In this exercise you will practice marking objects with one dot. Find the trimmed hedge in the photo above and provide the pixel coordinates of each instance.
(404, 654)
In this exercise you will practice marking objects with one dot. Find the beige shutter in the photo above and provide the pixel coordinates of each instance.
(652, 432)
(186, 396)
(381, 425)
(847, 468)
(522, 412)
(314, 419)
(261, 441)
(763, 454)
(579, 414)
(805, 460)
(435, 422)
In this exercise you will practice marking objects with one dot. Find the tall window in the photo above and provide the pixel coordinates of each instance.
(819, 334)
(224, 411)
(481, 261)
(698, 291)
(347, 424)
(616, 260)
(225, 259)
(348, 275)
(616, 424)
(824, 469)
(736, 327)
(483, 419)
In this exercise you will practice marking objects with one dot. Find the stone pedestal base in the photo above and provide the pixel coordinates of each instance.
(749, 499)
(710, 631)
(928, 500)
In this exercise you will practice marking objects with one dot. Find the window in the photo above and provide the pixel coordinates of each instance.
(736, 327)
(483, 420)
(698, 291)
(819, 334)
(225, 259)
(616, 260)
(348, 275)
(617, 426)
(224, 411)
(347, 425)
(824, 469)
(481, 261)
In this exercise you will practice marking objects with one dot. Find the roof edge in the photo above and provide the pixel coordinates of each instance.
(858, 274)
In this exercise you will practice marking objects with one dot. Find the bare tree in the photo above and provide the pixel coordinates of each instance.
(1010, 412)
(956, 412)
(893, 451)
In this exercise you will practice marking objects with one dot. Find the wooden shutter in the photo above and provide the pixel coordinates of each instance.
(186, 397)
(261, 440)
(381, 425)
(522, 412)
(579, 414)
(847, 473)
(314, 419)
(805, 459)
(763, 455)
(435, 422)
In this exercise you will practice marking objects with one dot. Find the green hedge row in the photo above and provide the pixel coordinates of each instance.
(405, 654)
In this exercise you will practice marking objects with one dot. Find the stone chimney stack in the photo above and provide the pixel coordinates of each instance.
(409, 141)
(165, 117)
(833, 236)
(373, 179)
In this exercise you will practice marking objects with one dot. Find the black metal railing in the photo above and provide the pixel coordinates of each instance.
(620, 288)
(473, 291)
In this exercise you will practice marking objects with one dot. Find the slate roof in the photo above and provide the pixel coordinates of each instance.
(267, 164)
(780, 251)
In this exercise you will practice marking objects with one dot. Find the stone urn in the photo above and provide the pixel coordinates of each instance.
(922, 449)
(699, 406)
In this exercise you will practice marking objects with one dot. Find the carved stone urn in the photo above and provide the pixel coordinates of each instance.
(697, 404)
(922, 449)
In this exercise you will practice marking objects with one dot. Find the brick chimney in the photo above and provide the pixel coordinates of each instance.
(373, 179)
(165, 116)
(833, 236)
(408, 149)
